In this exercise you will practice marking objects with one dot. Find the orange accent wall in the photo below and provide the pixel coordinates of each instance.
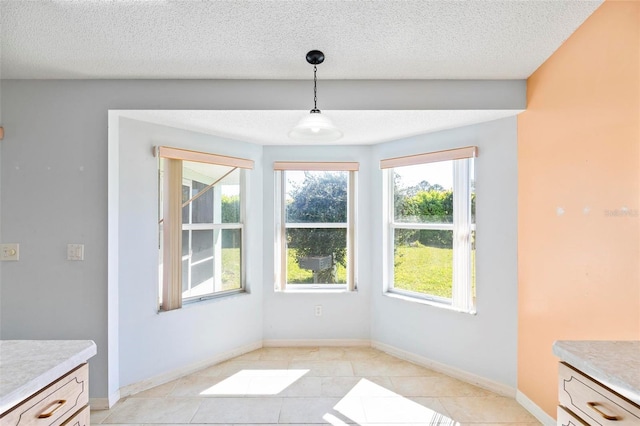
(579, 169)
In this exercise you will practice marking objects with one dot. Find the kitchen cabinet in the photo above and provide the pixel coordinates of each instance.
(598, 383)
(45, 383)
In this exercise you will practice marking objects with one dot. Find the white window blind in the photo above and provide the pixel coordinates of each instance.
(317, 166)
(430, 157)
(203, 157)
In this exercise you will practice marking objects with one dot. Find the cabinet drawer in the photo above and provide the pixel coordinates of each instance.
(566, 418)
(81, 418)
(592, 402)
(54, 404)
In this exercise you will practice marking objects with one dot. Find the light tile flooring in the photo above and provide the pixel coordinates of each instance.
(326, 385)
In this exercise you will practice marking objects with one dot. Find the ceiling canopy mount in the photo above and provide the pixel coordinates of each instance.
(315, 57)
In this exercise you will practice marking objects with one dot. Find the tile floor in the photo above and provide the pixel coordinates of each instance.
(326, 385)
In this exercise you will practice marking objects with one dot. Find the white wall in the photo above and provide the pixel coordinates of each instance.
(153, 343)
(290, 316)
(483, 344)
(55, 191)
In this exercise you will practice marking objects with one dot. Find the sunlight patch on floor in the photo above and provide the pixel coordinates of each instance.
(255, 382)
(368, 402)
(333, 420)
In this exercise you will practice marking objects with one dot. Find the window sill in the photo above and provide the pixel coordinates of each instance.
(316, 291)
(208, 300)
(428, 302)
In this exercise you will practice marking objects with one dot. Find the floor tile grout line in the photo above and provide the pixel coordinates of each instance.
(196, 410)
(280, 411)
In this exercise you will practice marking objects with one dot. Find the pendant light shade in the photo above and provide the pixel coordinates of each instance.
(315, 127)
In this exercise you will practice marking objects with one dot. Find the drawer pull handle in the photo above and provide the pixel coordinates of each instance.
(58, 405)
(594, 407)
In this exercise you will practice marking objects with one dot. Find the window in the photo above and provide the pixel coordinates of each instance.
(200, 225)
(315, 225)
(431, 226)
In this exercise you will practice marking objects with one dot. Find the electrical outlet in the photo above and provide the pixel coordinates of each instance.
(10, 251)
(318, 310)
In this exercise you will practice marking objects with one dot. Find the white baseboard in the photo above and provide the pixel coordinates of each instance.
(184, 371)
(535, 410)
(490, 385)
(99, 403)
(275, 343)
(104, 403)
(114, 397)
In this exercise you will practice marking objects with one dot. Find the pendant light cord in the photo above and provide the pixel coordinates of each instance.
(315, 90)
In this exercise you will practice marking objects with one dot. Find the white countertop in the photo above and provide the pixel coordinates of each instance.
(26, 366)
(615, 364)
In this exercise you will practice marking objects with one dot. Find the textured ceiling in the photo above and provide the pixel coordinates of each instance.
(241, 39)
(359, 127)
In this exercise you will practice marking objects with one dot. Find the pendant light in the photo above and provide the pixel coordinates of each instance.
(315, 127)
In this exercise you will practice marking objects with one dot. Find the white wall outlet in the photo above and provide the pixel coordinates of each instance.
(75, 251)
(10, 251)
(318, 310)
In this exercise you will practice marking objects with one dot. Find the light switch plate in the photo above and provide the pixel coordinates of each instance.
(10, 251)
(75, 251)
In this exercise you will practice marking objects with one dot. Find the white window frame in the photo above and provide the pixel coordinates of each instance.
(217, 229)
(462, 298)
(280, 248)
(171, 226)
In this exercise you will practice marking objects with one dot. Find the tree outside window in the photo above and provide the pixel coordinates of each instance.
(316, 229)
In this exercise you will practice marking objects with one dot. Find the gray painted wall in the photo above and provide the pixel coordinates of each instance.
(56, 189)
(54, 192)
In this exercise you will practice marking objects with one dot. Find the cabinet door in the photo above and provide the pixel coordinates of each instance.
(594, 403)
(81, 418)
(566, 418)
